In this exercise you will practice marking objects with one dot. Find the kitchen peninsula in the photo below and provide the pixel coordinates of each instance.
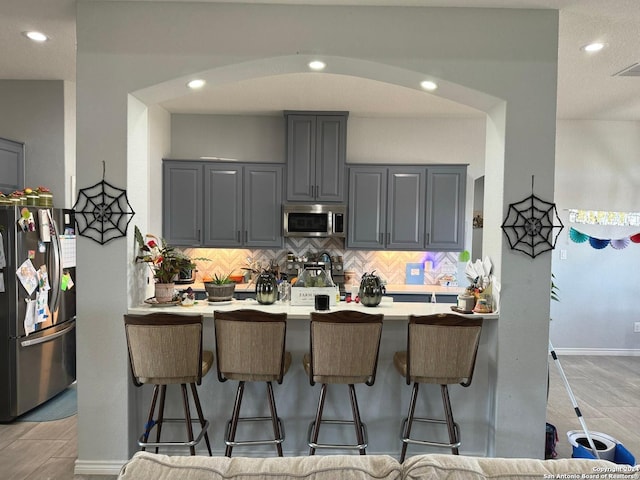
(382, 406)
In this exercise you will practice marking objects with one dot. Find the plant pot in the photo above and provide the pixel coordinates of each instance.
(164, 292)
(219, 293)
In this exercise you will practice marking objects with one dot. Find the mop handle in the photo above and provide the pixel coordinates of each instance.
(573, 400)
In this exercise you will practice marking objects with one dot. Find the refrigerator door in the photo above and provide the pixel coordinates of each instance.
(45, 365)
(29, 245)
(36, 367)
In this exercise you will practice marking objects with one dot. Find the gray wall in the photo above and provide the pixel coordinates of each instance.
(597, 169)
(33, 112)
(514, 63)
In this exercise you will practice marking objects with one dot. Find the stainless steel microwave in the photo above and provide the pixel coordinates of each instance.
(314, 220)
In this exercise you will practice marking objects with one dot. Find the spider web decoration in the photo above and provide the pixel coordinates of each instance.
(103, 212)
(530, 225)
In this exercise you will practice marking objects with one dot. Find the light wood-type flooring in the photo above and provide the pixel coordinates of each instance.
(607, 390)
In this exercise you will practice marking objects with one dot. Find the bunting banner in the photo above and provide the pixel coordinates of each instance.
(600, 243)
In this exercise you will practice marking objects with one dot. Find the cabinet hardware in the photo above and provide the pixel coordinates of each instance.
(381, 241)
(238, 236)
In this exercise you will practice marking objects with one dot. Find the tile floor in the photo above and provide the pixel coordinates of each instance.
(607, 390)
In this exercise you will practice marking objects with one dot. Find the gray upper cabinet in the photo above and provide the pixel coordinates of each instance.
(316, 151)
(386, 208)
(263, 206)
(367, 207)
(223, 205)
(238, 205)
(182, 203)
(11, 166)
(407, 207)
(446, 192)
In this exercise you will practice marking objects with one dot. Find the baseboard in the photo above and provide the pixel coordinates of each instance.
(98, 467)
(611, 352)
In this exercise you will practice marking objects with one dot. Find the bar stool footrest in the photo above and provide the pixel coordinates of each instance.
(362, 446)
(144, 444)
(240, 443)
(415, 441)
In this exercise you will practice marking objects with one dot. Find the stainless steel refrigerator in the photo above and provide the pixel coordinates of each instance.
(37, 307)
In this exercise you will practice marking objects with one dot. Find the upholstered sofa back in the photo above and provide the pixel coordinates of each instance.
(148, 466)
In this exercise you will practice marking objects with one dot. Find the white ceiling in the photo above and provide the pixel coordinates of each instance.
(587, 85)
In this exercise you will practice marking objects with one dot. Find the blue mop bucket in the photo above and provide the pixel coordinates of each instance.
(608, 448)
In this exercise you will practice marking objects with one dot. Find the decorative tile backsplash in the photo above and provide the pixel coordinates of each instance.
(389, 265)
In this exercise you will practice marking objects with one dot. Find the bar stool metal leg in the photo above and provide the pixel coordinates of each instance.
(233, 424)
(163, 392)
(187, 418)
(316, 423)
(150, 421)
(274, 418)
(196, 400)
(451, 426)
(357, 422)
(407, 424)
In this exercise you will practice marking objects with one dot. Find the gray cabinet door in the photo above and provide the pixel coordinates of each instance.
(301, 140)
(263, 206)
(446, 191)
(223, 206)
(406, 209)
(367, 207)
(331, 148)
(11, 166)
(316, 151)
(182, 203)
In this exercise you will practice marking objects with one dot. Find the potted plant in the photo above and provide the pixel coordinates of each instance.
(165, 262)
(220, 288)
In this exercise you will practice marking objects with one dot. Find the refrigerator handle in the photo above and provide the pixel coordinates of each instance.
(48, 338)
(56, 265)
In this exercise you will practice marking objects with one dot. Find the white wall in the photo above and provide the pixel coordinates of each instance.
(514, 58)
(597, 169)
(35, 112)
(369, 139)
(246, 138)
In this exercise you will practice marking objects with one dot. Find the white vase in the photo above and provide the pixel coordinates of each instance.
(164, 292)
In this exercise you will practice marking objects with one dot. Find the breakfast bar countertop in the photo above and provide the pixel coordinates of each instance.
(390, 309)
(392, 289)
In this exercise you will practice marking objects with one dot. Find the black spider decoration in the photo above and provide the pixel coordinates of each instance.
(530, 225)
(103, 211)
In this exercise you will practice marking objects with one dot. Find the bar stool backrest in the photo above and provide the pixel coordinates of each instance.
(345, 347)
(164, 348)
(442, 348)
(250, 345)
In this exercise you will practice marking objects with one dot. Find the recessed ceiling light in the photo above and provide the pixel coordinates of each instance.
(197, 83)
(36, 36)
(593, 47)
(429, 85)
(317, 65)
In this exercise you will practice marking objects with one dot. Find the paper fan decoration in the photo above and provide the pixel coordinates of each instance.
(635, 238)
(577, 236)
(598, 243)
(620, 243)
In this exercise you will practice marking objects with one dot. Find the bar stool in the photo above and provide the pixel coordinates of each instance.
(250, 347)
(166, 349)
(441, 349)
(344, 350)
